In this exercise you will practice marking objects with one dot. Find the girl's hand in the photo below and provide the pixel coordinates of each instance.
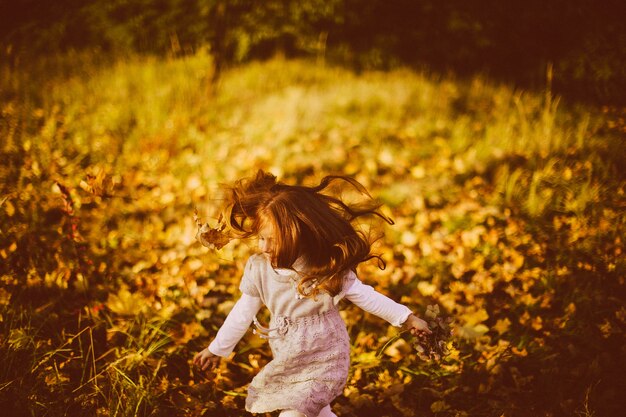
(205, 360)
(416, 325)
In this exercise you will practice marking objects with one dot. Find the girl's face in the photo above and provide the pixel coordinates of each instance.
(266, 238)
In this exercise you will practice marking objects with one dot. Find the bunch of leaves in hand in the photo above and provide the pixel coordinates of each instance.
(434, 346)
(212, 237)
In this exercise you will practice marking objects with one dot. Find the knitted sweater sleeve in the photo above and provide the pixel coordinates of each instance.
(235, 326)
(370, 300)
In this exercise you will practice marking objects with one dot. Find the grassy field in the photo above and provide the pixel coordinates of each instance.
(509, 209)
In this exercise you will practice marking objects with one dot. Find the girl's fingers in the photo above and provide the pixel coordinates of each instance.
(208, 365)
(416, 331)
(199, 360)
(205, 361)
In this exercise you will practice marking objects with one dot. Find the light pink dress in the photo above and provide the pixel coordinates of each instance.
(308, 338)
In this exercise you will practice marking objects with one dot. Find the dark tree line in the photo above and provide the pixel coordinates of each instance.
(582, 41)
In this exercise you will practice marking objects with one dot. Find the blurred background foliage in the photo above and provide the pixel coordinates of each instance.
(579, 45)
(118, 119)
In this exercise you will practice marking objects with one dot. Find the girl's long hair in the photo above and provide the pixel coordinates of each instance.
(307, 223)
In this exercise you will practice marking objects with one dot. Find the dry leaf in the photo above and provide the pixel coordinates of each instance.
(99, 185)
(212, 237)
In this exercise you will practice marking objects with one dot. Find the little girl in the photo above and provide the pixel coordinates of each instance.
(309, 253)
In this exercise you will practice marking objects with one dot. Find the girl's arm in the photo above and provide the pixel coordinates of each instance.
(235, 326)
(370, 300)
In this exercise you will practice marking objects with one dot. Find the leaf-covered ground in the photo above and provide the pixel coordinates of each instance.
(509, 210)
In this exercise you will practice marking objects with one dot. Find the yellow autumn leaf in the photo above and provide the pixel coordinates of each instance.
(439, 406)
(366, 360)
(502, 325)
(567, 174)
(5, 297)
(473, 327)
(398, 349)
(475, 317)
(469, 331)
(9, 208)
(126, 303)
(471, 238)
(426, 288)
(188, 331)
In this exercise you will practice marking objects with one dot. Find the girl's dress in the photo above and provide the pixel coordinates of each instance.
(308, 337)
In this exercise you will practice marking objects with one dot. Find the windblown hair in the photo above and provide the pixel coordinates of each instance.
(310, 224)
